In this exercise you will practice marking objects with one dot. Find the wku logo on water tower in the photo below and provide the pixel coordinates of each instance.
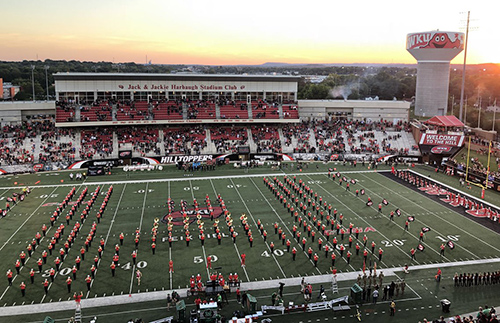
(435, 40)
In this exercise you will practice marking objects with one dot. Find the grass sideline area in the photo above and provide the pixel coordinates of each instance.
(139, 198)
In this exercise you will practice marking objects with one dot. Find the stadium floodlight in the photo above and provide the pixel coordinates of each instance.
(47, 80)
(33, 80)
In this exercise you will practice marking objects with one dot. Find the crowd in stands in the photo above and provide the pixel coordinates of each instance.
(265, 110)
(98, 111)
(38, 140)
(184, 140)
(227, 139)
(202, 109)
(230, 109)
(329, 136)
(17, 143)
(143, 139)
(123, 110)
(267, 139)
(476, 166)
(98, 141)
(301, 133)
(167, 110)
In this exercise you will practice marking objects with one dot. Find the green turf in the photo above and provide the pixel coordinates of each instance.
(491, 195)
(136, 204)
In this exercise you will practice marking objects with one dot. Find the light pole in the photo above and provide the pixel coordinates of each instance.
(463, 69)
(33, 80)
(47, 80)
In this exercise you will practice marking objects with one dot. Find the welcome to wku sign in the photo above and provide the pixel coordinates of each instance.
(441, 139)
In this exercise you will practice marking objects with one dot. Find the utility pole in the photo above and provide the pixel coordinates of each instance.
(465, 115)
(463, 69)
(479, 117)
(452, 103)
(494, 114)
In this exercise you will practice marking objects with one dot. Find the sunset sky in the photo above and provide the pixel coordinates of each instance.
(218, 32)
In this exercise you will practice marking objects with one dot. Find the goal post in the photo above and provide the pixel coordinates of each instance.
(485, 186)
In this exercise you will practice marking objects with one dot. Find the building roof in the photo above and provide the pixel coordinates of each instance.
(445, 121)
(61, 76)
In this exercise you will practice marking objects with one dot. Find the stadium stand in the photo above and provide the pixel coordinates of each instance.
(227, 139)
(184, 140)
(96, 143)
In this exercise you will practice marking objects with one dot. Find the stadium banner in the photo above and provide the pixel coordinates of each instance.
(100, 162)
(38, 167)
(175, 159)
(96, 170)
(441, 151)
(125, 154)
(442, 140)
(317, 156)
(178, 159)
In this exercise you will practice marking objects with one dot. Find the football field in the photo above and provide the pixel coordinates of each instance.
(138, 201)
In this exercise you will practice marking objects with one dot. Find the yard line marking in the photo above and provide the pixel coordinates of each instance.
(362, 219)
(417, 219)
(63, 259)
(181, 179)
(33, 213)
(255, 223)
(428, 212)
(451, 223)
(169, 248)
(27, 259)
(140, 228)
(285, 226)
(235, 246)
(202, 247)
(408, 285)
(205, 259)
(170, 258)
(107, 235)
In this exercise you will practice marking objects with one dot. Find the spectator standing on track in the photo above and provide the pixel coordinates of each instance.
(392, 308)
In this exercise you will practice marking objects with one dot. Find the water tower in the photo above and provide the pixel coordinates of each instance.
(433, 51)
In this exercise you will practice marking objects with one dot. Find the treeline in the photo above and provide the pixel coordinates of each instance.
(20, 73)
(482, 84)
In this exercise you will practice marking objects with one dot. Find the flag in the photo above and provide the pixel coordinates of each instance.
(411, 218)
(369, 203)
(398, 212)
(384, 201)
(344, 179)
(353, 181)
(362, 192)
(426, 229)
(421, 247)
(451, 245)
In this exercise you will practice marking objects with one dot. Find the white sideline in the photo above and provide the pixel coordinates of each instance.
(257, 285)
